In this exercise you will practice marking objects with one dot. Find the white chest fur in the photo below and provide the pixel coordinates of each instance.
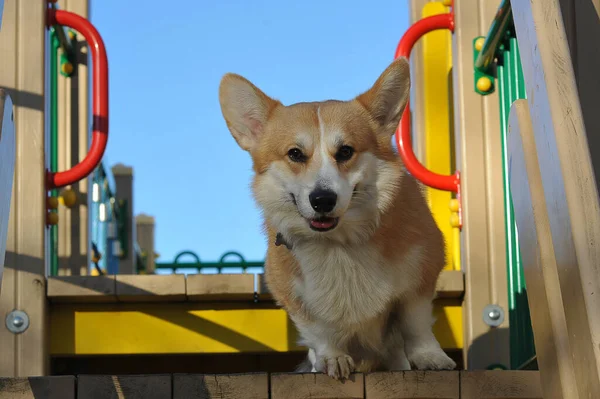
(348, 285)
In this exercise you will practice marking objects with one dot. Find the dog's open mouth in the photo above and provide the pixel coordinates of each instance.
(323, 223)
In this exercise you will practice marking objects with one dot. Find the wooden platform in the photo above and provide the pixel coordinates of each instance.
(200, 314)
(197, 287)
(396, 385)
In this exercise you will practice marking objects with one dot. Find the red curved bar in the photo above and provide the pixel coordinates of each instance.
(99, 98)
(421, 173)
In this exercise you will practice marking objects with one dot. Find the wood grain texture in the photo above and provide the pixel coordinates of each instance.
(389, 385)
(413, 384)
(83, 289)
(22, 60)
(450, 284)
(478, 157)
(312, 386)
(567, 174)
(539, 262)
(124, 387)
(500, 385)
(59, 387)
(207, 287)
(231, 386)
(150, 287)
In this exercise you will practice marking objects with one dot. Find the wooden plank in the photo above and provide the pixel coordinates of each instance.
(22, 62)
(450, 284)
(230, 386)
(145, 288)
(127, 386)
(209, 287)
(585, 45)
(483, 241)
(82, 289)
(197, 287)
(316, 385)
(7, 166)
(567, 175)
(539, 263)
(59, 387)
(413, 384)
(262, 290)
(500, 384)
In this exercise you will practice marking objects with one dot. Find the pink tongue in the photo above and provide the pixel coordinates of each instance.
(322, 224)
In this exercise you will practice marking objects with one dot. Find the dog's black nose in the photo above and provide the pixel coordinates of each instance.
(322, 201)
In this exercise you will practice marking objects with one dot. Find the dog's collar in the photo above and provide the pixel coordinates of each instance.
(279, 240)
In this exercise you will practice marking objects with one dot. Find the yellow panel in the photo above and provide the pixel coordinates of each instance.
(95, 329)
(438, 131)
(167, 328)
(448, 327)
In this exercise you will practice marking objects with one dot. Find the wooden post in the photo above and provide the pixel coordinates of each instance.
(22, 62)
(567, 175)
(7, 167)
(145, 238)
(73, 145)
(124, 182)
(479, 159)
(582, 27)
(539, 263)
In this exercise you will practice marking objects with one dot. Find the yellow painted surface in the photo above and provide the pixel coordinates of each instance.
(167, 328)
(438, 130)
(448, 327)
(95, 329)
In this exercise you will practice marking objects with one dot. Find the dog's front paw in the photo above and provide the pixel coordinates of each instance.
(431, 359)
(338, 366)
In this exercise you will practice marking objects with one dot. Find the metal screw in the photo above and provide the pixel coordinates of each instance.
(17, 321)
(493, 315)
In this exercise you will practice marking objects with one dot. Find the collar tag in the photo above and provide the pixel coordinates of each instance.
(279, 240)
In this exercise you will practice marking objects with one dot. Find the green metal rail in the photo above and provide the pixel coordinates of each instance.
(203, 266)
(511, 87)
(494, 38)
(502, 47)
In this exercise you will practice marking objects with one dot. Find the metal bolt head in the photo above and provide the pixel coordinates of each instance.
(493, 315)
(17, 321)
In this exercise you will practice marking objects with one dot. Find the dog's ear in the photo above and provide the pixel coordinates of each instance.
(387, 99)
(245, 109)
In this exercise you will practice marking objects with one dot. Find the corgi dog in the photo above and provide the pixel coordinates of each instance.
(362, 252)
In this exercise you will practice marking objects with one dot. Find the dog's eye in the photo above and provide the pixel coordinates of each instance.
(296, 155)
(344, 153)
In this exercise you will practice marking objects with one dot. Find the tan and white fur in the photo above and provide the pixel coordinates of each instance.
(365, 253)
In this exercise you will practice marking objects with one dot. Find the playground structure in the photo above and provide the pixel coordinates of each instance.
(503, 100)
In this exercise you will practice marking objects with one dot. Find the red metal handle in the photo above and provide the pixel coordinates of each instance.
(421, 173)
(99, 98)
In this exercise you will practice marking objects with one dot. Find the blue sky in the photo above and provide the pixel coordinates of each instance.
(165, 65)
